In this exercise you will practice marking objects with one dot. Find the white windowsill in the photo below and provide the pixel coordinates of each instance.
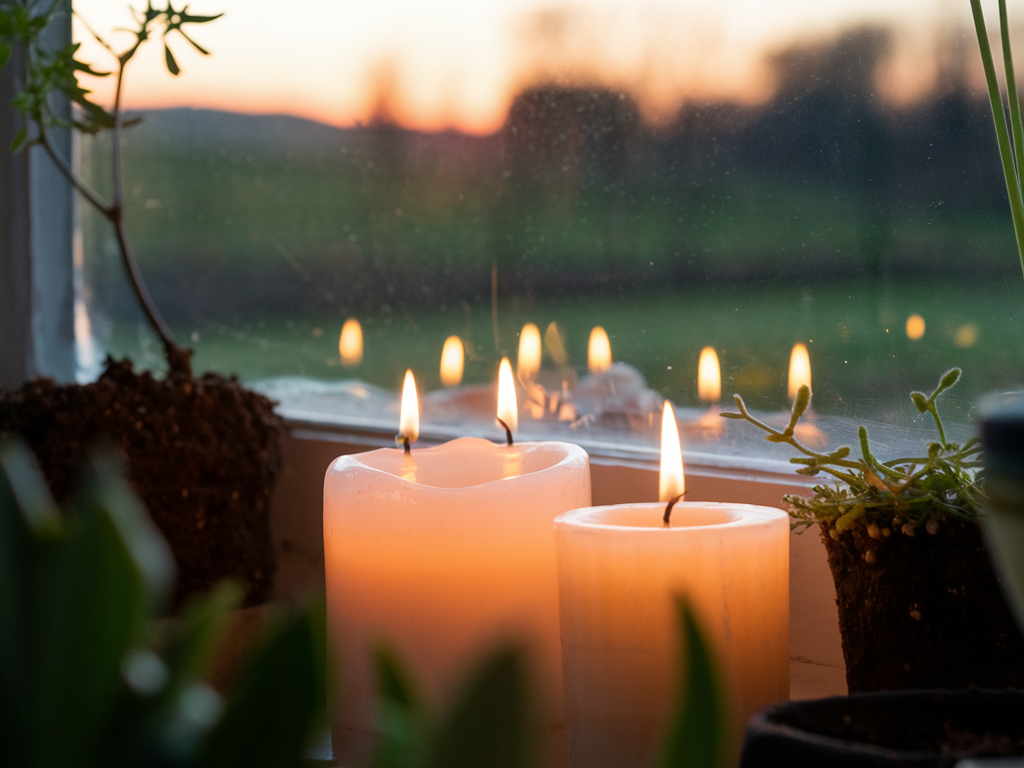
(618, 475)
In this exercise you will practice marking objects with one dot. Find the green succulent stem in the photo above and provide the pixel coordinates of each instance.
(942, 484)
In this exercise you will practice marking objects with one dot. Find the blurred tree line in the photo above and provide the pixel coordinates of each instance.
(575, 194)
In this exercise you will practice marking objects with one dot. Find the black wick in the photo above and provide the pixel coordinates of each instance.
(668, 509)
(508, 432)
(403, 440)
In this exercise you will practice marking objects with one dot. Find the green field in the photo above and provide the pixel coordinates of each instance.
(863, 363)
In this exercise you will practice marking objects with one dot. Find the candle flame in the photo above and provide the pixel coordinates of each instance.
(599, 351)
(350, 345)
(529, 352)
(453, 360)
(671, 481)
(555, 345)
(709, 376)
(507, 408)
(915, 327)
(409, 421)
(799, 369)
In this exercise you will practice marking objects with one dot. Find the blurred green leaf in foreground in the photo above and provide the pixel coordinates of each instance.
(82, 680)
(489, 723)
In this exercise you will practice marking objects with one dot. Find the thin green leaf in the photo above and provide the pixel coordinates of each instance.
(1013, 190)
(172, 65)
(698, 733)
(195, 45)
(400, 718)
(26, 511)
(489, 723)
(1011, 91)
(280, 700)
(187, 18)
(5, 54)
(153, 722)
(19, 138)
(28, 486)
(99, 589)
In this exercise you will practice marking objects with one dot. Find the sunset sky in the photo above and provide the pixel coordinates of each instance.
(458, 63)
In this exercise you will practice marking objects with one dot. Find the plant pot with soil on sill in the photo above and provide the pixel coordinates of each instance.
(919, 603)
(202, 452)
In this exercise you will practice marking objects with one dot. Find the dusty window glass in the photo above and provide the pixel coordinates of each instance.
(740, 176)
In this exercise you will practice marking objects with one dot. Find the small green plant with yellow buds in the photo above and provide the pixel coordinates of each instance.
(905, 492)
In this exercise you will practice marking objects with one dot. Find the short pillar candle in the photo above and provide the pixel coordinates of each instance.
(619, 569)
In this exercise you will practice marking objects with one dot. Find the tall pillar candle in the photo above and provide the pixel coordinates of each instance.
(443, 553)
(619, 569)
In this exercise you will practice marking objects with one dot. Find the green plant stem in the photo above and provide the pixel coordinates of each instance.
(938, 425)
(789, 438)
(68, 172)
(1005, 151)
(1011, 90)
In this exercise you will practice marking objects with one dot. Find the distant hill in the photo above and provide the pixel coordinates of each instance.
(208, 127)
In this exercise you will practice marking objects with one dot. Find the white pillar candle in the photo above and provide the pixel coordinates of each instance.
(443, 553)
(619, 569)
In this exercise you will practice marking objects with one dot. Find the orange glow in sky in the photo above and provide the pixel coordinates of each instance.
(458, 63)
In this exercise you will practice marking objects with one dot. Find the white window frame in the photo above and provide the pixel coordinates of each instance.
(37, 330)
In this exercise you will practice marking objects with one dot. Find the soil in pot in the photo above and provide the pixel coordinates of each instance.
(202, 453)
(922, 610)
(902, 728)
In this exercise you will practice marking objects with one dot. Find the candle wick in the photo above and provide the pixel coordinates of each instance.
(668, 509)
(403, 440)
(508, 432)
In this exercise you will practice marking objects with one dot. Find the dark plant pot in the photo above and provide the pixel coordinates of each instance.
(201, 452)
(900, 728)
(922, 610)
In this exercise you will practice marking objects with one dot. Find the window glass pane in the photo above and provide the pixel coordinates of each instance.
(743, 175)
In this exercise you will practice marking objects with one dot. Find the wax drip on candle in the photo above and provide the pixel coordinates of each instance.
(409, 419)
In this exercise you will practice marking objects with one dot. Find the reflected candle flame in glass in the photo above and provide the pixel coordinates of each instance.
(915, 327)
(709, 376)
(528, 362)
(599, 351)
(554, 343)
(671, 482)
(453, 360)
(409, 420)
(350, 345)
(508, 410)
(799, 369)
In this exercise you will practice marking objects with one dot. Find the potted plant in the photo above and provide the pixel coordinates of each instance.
(202, 452)
(919, 604)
